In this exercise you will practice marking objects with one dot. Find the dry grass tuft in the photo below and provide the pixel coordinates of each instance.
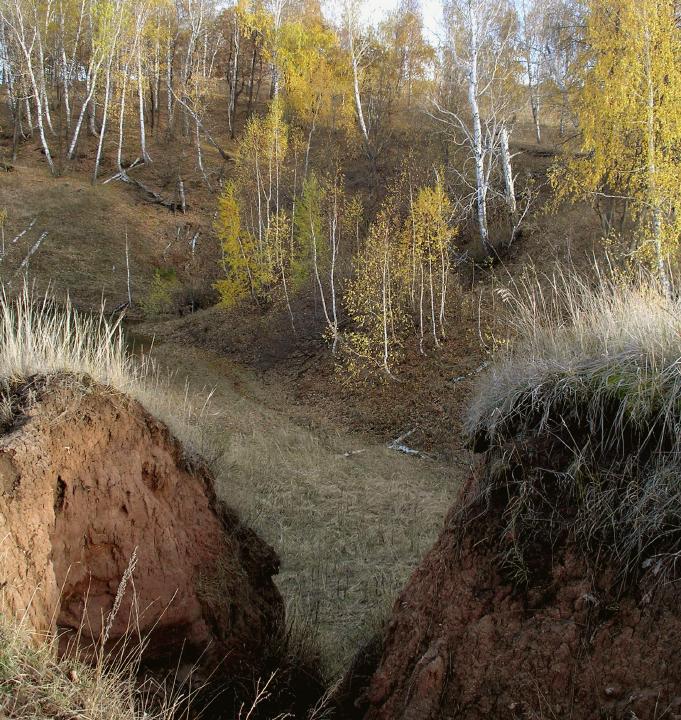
(596, 369)
(576, 342)
(38, 336)
(35, 683)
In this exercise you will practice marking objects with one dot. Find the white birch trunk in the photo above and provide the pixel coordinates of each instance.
(105, 112)
(169, 85)
(140, 97)
(358, 99)
(121, 121)
(231, 110)
(478, 151)
(91, 90)
(509, 183)
(41, 125)
(534, 101)
(654, 201)
(19, 32)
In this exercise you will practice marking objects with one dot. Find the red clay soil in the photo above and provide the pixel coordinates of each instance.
(89, 480)
(462, 643)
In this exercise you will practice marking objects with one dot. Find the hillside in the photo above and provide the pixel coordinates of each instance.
(280, 414)
(84, 255)
(347, 334)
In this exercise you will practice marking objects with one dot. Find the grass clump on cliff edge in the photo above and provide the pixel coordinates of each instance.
(38, 336)
(590, 382)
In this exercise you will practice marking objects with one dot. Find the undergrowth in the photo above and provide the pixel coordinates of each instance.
(581, 413)
(35, 684)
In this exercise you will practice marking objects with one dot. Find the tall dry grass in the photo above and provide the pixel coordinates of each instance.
(594, 366)
(572, 339)
(37, 684)
(39, 336)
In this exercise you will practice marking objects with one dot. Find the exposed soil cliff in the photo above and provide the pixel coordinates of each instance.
(470, 639)
(91, 486)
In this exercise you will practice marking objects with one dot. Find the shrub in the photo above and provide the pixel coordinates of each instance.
(163, 294)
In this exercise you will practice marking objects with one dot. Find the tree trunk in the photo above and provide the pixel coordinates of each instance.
(233, 74)
(87, 104)
(509, 183)
(534, 100)
(358, 101)
(252, 80)
(140, 96)
(105, 111)
(17, 129)
(41, 126)
(654, 201)
(170, 52)
(121, 121)
(478, 157)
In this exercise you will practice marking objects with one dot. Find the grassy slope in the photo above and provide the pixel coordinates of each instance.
(84, 251)
(594, 370)
(349, 528)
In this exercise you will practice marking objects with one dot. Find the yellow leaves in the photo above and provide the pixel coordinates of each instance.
(401, 278)
(247, 272)
(629, 111)
(309, 60)
(235, 256)
(377, 297)
(431, 232)
(254, 20)
(264, 138)
(254, 229)
(228, 221)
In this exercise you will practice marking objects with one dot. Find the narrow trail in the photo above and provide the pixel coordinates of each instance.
(349, 517)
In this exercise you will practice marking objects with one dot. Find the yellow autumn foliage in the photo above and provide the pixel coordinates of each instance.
(630, 116)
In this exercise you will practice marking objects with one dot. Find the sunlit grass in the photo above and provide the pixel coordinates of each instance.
(594, 367)
(39, 336)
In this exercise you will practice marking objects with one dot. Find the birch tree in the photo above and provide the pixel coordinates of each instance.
(277, 9)
(377, 298)
(263, 243)
(429, 238)
(325, 222)
(479, 47)
(357, 48)
(533, 56)
(628, 113)
(110, 49)
(23, 21)
(562, 47)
